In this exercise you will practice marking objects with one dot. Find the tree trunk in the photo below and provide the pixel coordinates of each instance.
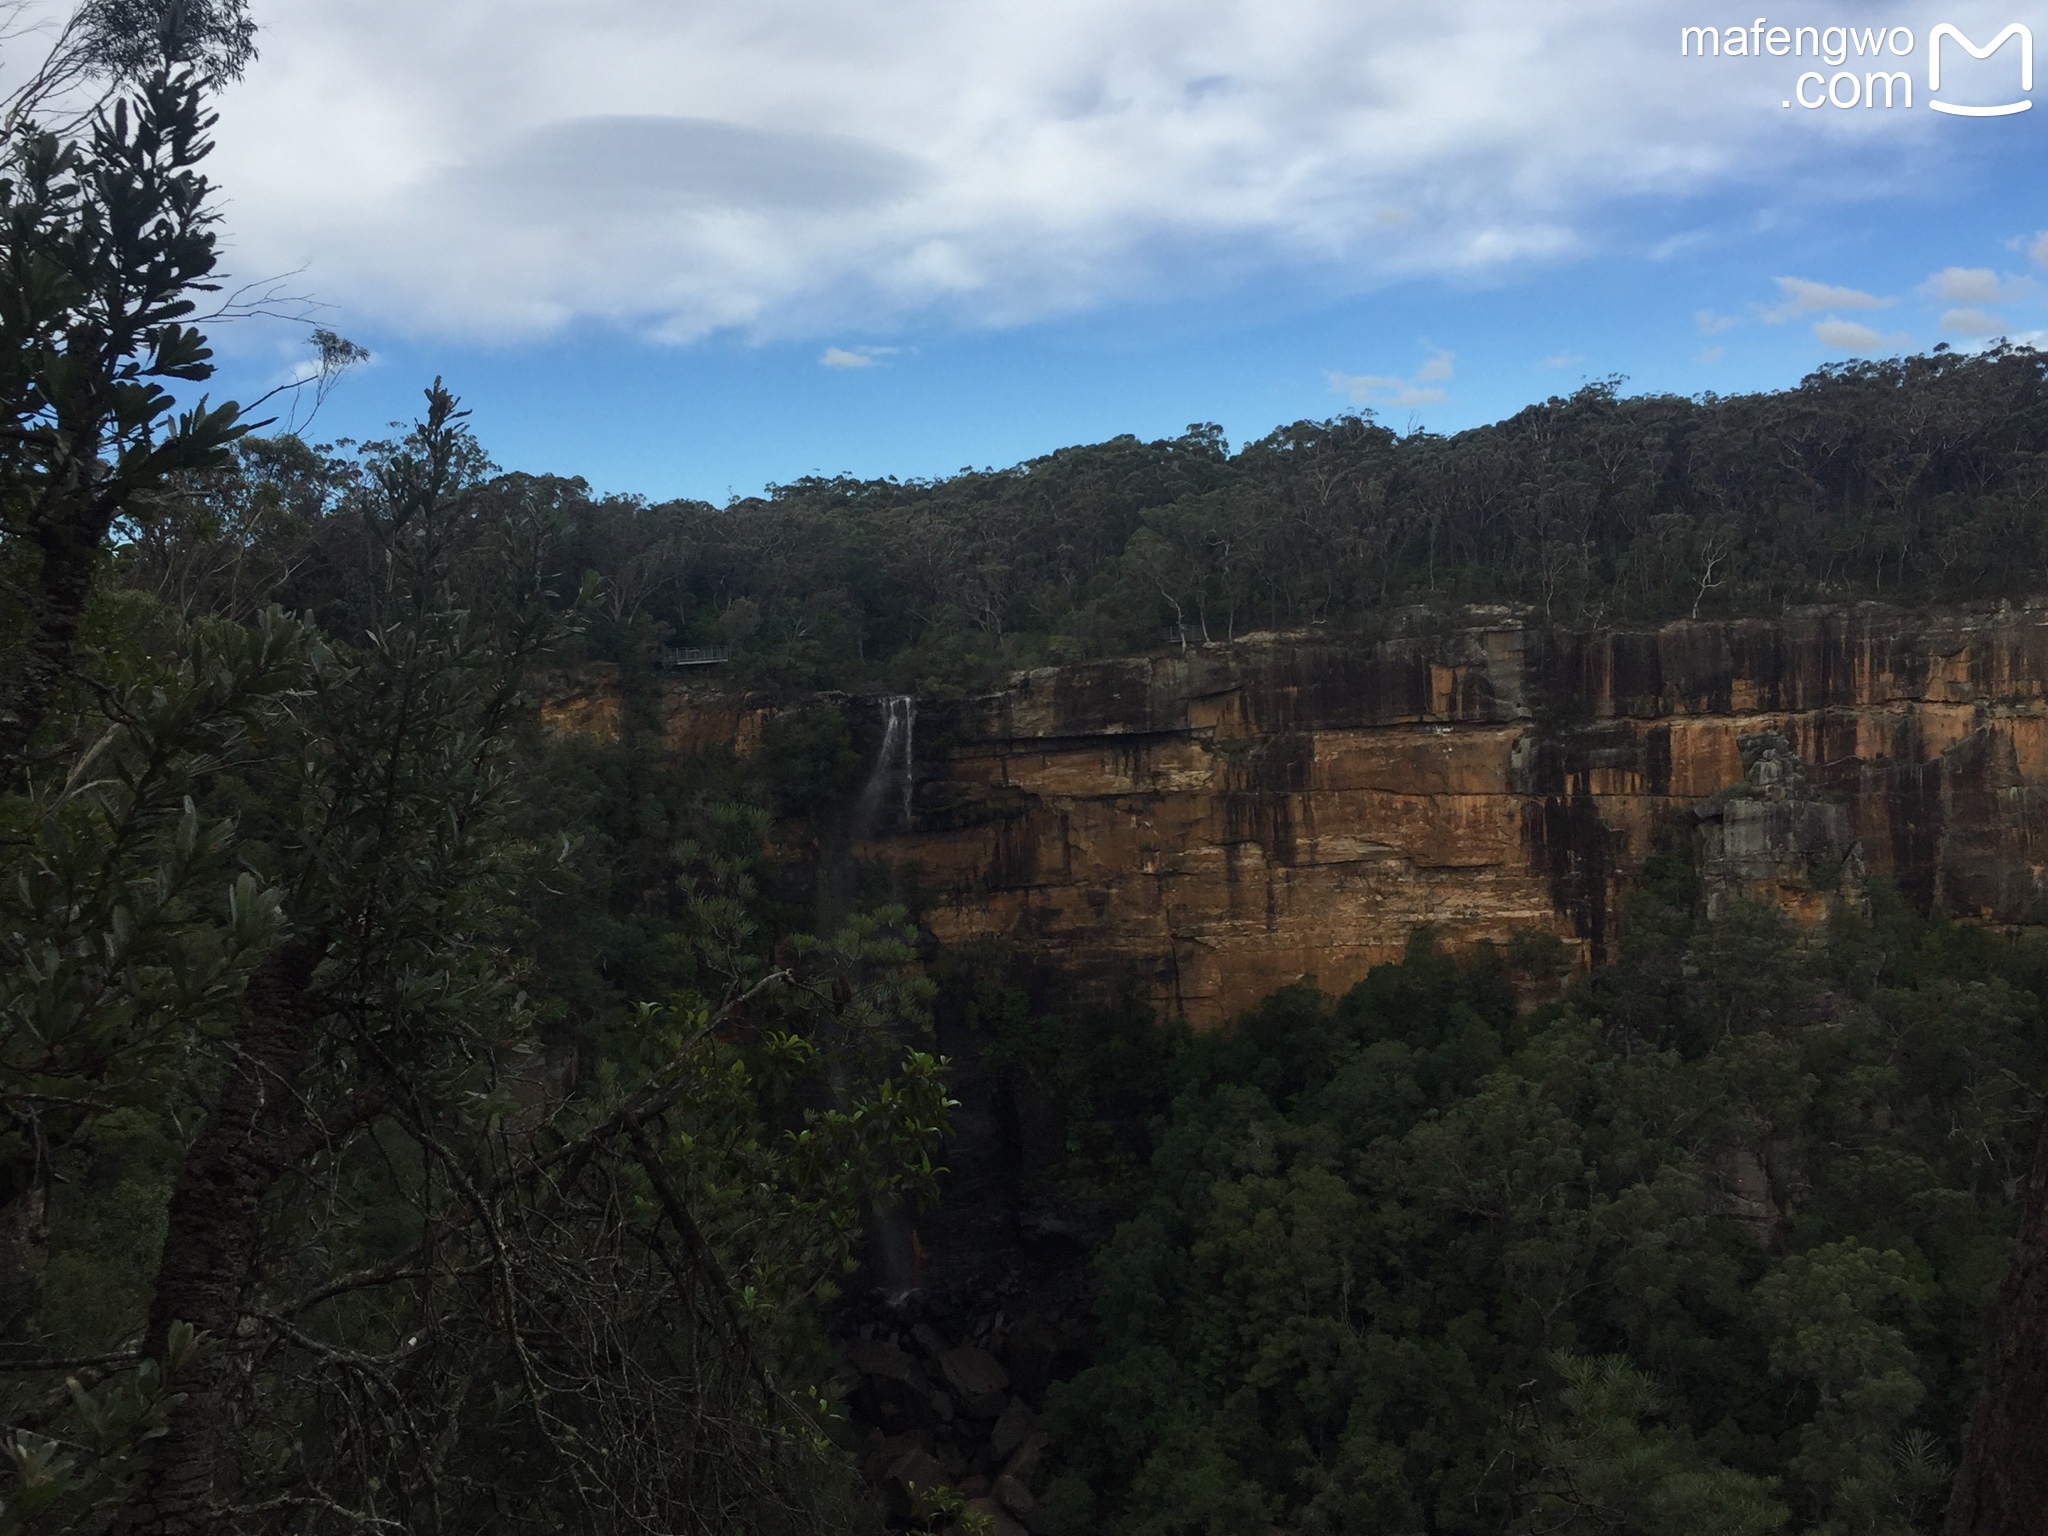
(213, 1242)
(21, 1255)
(2002, 1487)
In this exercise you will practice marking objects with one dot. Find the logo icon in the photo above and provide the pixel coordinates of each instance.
(1934, 38)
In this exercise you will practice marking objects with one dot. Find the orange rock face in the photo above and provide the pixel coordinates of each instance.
(1230, 819)
(692, 715)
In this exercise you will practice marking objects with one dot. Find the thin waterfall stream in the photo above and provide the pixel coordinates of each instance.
(895, 1240)
(895, 762)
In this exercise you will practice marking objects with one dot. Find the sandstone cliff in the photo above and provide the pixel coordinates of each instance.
(1231, 818)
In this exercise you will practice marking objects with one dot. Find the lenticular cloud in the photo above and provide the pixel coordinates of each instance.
(786, 167)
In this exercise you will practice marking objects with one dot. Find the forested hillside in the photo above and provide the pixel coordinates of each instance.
(1911, 480)
(1915, 480)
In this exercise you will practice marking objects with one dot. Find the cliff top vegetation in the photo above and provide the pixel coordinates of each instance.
(1910, 480)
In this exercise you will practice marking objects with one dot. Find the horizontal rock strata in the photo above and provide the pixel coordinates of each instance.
(1231, 818)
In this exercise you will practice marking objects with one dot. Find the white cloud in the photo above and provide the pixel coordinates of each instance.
(1806, 298)
(1712, 354)
(1398, 393)
(1964, 285)
(1380, 389)
(1672, 245)
(1711, 324)
(1972, 322)
(1849, 336)
(2037, 249)
(854, 357)
(1563, 359)
(794, 167)
(1438, 368)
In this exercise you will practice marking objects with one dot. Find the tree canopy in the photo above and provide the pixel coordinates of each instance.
(1421, 1259)
(1910, 480)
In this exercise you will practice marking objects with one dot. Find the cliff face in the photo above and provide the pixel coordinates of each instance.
(1229, 819)
(1234, 818)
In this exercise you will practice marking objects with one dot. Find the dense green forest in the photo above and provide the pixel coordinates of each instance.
(1708, 1243)
(1913, 480)
(1908, 480)
(410, 1121)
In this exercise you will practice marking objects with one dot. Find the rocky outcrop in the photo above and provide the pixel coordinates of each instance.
(688, 713)
(1234, 818)
(1778, 836)
(950, 1425)
(1230, 818)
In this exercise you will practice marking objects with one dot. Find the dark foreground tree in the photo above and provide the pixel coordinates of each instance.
(105, 242)
(2002, 1485)
(412, 1276)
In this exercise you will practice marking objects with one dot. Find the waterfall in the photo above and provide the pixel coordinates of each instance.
(894, 762)
(895, 1252)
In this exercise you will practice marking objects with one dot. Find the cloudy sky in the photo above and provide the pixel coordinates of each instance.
(691, 246)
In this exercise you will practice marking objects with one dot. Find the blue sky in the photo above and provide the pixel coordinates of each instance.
(688, 249)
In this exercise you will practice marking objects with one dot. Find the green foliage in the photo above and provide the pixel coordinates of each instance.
(105, 241)
(74, 1483)
(1406, 1039)
(129, 38)
(1411, 1260)
(1903, 480)
(810, 761)
(126, 926)
(1101, 1073)
(106, 1226)
(1833, 1317)
(564, 1133)
(1609, 1460)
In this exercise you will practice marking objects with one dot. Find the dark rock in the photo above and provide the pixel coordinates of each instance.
(883, 1451)
(975, 1374)
(916, 1469)
(1015, 1496)
(888, 1405)
(1017, 1422)
(893, 1446)
(892, 1392)
(885, 1360)
(1035, 1350)
(1024, 1461)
